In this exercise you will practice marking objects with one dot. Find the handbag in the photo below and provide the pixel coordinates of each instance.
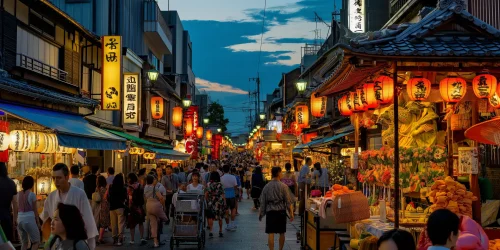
(316, 192)
(96, 196)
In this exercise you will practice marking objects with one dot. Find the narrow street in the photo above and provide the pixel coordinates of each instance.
(250, 235)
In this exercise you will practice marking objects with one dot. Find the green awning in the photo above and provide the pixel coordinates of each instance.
(138, 140)
(170, 154)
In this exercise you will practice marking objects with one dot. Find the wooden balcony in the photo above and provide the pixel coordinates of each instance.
(40, 67)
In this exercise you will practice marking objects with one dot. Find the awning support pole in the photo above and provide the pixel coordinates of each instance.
(396, 147)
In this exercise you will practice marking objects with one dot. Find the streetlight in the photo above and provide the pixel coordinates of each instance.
(219, 130)
(205, 120)
(153, 75)
(186, 102)
(258, 126)
(301, 86)
(262, 116)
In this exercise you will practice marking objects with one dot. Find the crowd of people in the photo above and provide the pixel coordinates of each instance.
(81, 210)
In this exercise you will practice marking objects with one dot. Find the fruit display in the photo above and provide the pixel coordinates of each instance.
(337, 189)
(451, 195)
(494, 245)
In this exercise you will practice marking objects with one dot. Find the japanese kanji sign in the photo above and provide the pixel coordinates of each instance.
(357, 16)
(130, 98)
(111, 72)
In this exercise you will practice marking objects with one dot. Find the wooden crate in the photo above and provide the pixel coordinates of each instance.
(326, 238)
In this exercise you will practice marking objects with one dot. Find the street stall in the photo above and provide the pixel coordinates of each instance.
(433, 94)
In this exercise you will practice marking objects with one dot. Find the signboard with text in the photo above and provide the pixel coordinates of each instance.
(111, 72)
(130, 98)
(357, 16)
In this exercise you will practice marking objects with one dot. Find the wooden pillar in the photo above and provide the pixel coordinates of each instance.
(449, 142)
(396, 146)
(474, 178)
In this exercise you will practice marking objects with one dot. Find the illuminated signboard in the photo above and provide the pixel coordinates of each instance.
(130, 98)
(111, 72)
(357, 16)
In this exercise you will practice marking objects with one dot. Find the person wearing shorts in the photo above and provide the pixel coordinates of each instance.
(230, 189)
(27, 224)
(275, 200)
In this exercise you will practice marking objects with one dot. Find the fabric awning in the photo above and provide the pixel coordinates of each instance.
(71, 130)
(138, 140)
(339, 133)
(163, 153)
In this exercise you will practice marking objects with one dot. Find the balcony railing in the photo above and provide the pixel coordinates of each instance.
(40, 67)
(152, 13)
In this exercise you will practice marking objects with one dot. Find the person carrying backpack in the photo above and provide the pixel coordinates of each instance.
(137, 214)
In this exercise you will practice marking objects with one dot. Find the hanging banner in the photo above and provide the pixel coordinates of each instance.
(131, 98)
(111, 72)
(357, 16)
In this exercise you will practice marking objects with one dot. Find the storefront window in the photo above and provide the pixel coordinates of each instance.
(374, 143)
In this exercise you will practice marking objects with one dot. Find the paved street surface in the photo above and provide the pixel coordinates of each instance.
(249, 235)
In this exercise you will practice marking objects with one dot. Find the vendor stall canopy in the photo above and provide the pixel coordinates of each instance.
(71, 130)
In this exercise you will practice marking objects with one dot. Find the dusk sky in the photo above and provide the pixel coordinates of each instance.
(226, 42)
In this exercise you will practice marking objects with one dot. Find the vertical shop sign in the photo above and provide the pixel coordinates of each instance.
(357, 16)
(111, 72)
(131, 98)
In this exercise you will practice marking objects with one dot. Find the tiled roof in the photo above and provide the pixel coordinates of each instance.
(417, 40)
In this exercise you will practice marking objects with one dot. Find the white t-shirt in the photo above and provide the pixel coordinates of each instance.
(228, 181)
(75, 182)
(191, 187)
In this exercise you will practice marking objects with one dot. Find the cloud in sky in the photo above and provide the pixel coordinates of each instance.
(205, 85)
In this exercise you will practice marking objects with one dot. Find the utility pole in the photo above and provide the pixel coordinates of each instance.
(257, 107)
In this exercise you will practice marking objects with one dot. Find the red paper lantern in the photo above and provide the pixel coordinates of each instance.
(318, 105)
(484, 85)
(157, 107)
(209, 135)
(384, 89)
(188, 127)
(369, 100)
(199, 132)
(356, 103)
(418, 88)
(177, 116)
(302, 116)
(452, 89)
(343, 107)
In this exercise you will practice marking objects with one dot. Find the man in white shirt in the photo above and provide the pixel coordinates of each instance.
(230, 188)
(75, 174)
(111, 176)
(69, 195)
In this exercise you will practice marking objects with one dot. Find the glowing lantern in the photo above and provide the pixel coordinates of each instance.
(177, 117)
(452, 89)
(495, 100)
(157, 107)
(19, 140)
(199, 132)
(51, 144)
(484, 85)
(209, 135)
(188, 127)
(342, 106)
(133, 151)
(318, 105)
(38, 142)
(370, 102)
(384, 89)
(418, 88)
(4, 141)
(356, 103)
(302, 116)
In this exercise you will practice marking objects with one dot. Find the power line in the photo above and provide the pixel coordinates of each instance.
(262, 35)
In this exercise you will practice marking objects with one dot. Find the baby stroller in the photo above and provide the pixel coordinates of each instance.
(189, 220)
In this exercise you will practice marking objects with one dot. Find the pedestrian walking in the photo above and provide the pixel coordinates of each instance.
(257, 183)
(8, 201)
(117, 196)
(28, 225)
(320, 175)
(75, 177)
(68, 229)
(442, 229)
(155, 201)
(216, 203)
(275, 201)
(289, 180)
(137, 215)
(304, 181)
(230, 185)
(142, 177)
(101, 214)
(195, 186)
(90, 182)
(396, 239)
(69, 195)
(247, 179)
(171, 183)
(234, 172)
(111, 175)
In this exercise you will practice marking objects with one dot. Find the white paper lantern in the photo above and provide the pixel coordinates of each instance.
(52, 144)
(19, 140)
(4, 141)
